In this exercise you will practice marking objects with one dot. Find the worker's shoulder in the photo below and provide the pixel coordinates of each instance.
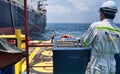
(98, 23)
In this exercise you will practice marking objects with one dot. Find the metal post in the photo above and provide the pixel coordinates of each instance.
(26, 34)
(18, 68)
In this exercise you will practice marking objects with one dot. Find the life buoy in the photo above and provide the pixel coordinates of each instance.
(67, 36)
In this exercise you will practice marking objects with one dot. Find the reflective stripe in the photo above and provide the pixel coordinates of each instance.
(85, 43)
(108, 28)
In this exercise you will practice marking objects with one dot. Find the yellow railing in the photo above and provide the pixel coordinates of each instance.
(19, 37)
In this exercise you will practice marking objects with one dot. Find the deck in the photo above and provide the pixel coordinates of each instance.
(40, 59)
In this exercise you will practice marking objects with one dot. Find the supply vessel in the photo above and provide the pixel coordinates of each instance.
(12, 15)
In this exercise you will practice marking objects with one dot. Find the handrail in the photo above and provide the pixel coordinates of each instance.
(19, 37)
(40, 45)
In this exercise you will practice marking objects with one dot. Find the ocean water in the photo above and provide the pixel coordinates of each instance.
(76, 29)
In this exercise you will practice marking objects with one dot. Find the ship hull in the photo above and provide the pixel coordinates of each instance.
(12, 16)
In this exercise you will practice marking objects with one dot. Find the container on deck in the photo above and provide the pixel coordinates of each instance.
(70, 56)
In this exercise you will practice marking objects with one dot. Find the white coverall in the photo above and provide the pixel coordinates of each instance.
(104, 38)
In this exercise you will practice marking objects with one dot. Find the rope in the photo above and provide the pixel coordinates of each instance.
(12, 17)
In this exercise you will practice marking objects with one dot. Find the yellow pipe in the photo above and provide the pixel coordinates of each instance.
(12, 37)
(18, 66)
(18, 37)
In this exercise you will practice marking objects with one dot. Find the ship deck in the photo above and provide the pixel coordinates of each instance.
(40, 59)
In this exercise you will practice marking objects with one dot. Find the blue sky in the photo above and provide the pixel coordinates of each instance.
(75, 11)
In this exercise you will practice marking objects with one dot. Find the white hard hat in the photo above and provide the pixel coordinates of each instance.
(109, 6)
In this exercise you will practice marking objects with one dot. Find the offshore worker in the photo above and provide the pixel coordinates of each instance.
(104, 39)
